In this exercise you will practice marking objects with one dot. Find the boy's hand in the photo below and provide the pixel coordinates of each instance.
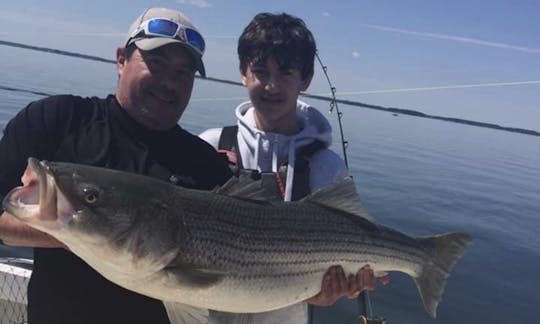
(335, 284)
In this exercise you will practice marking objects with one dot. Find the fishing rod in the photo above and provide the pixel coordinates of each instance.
(365, 308)
(334, 105)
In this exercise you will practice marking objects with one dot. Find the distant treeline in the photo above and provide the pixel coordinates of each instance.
(421, 114)
(318, 97)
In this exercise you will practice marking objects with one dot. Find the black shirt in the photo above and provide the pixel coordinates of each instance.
(93, 131)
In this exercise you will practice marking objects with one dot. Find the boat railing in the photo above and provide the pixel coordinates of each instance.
(14, 276)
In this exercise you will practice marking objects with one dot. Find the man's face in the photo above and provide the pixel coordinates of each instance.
(155, 86)
(273, 92)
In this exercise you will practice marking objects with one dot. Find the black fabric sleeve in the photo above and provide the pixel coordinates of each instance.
(207, 165)
(33, 132)
(216, 166)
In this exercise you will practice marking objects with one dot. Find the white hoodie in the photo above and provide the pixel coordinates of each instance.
(266, 151)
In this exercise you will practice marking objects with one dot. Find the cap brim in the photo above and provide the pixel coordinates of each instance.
(148, 44)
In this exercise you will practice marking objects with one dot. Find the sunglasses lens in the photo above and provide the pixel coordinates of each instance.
(195, 39)
(166, 28)
(162, 27)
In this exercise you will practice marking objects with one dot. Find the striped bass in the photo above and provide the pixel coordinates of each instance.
(234, 249)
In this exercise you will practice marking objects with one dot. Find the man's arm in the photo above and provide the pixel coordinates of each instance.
(15, 233)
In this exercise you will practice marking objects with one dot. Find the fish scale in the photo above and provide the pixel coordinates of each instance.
(278, 255)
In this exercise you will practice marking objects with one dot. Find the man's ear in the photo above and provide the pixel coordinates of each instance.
(306, 82)
(121, 59)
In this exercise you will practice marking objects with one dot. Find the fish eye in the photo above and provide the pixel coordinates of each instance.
(91, 195)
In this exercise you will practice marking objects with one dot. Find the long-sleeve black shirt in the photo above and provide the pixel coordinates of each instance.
(98, 132)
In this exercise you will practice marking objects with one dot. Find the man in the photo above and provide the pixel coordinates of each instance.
(133, 130)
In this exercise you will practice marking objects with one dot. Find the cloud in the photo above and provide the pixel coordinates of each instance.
(327, 14)
(196, 3)
(355, 55)
(474, 41)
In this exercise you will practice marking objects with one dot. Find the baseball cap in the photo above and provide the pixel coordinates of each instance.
(156, 27)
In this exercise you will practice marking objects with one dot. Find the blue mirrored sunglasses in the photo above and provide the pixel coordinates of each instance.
(162, 27)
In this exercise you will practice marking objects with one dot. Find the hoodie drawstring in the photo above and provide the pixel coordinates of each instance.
(257, 147)
(290, 171)
(275, 154)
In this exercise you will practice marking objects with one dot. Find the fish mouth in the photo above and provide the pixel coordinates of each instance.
(36, 199)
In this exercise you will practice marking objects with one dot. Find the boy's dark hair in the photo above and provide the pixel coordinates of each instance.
(281, 36)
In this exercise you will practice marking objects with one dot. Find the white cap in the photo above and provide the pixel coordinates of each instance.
(152, 42)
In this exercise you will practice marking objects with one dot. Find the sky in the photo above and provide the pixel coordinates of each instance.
(471, 59)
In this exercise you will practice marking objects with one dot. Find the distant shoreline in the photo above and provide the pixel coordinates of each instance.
(422, 115)
(318, 97)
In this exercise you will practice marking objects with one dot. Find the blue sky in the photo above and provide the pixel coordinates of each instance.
(475, 59)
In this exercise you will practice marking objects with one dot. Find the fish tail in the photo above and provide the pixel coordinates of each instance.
(447, 249)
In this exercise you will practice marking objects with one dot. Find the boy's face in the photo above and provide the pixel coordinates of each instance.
(274, 91)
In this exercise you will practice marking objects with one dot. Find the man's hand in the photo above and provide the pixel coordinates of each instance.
(335, 284)
(15, 233)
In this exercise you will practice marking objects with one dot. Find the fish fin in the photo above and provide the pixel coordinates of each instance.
(340, 195)
(251, 185)
(185, 314)
(193, 276)
(447, 249)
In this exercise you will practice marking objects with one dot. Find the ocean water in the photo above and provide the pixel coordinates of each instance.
(416, 175)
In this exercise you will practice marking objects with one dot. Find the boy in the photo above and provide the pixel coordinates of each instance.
(277, 131)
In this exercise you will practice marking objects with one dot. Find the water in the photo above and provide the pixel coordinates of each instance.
(417, 175)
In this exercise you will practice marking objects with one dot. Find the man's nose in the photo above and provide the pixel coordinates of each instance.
(170, 79)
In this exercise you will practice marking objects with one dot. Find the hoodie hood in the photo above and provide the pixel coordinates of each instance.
(267, 151)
